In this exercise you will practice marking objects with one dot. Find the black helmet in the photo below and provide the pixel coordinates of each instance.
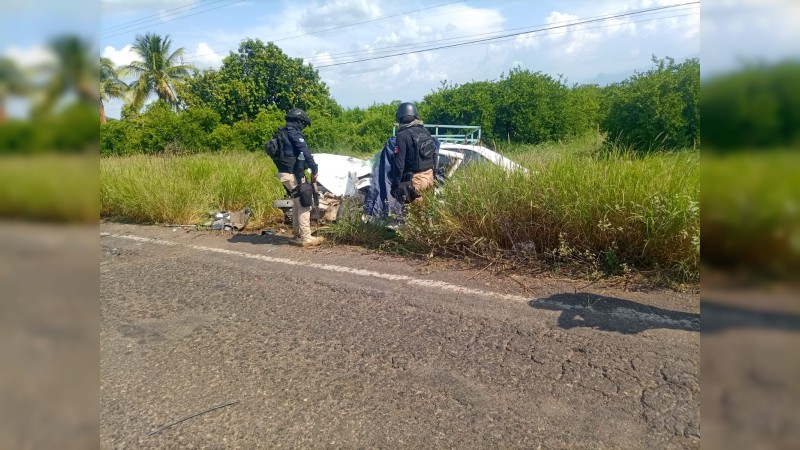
(298, 115)
(404, 110)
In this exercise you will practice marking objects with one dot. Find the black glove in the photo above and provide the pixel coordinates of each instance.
(395, 191)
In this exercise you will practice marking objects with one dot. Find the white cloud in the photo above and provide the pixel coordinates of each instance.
(121, 57)
(338, 12)
(30, 57)
(411, 30)
(569, 37)
(126, 6)
(205, 56)
(692, 24)
(465, 19)
(405, 77)
(619, 25)
(527, 40)
(573, 38)
(557, 21)
(319, 59)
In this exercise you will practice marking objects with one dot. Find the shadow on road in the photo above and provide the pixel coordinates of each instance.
(258, 239)
(718, 317)
(614, 314)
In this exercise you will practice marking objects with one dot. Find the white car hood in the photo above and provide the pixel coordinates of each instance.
(491, 155)
(339, 174)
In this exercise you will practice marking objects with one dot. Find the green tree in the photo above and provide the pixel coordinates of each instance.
(656, 109)
(110, 85)
(75, 71)
(158, 71)
(467, 104)
(12, 82)
(256, 78)
(530, 107)
(582, 113)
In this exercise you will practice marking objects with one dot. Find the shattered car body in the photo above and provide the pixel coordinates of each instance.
(346, 176)
(339, 176)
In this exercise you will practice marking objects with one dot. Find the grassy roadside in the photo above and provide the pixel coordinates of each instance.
(183, 189)
(610, 213)
(49, 187)
(606, 213)
(751, 211)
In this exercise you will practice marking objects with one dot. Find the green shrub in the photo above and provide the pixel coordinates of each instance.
(657, 109)
(756, 107)
(642, 212)
(73, 129)
(254, 135)
(157, 130)
(114, 138)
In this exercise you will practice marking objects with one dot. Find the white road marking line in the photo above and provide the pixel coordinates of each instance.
(624, 313)
(441, 285)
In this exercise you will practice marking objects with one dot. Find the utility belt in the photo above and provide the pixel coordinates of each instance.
(306, 192)
(405, 192)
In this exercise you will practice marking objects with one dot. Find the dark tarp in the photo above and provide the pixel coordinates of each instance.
(379, 202)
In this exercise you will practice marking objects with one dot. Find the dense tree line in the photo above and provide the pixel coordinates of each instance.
(239, 105)
(756, 107)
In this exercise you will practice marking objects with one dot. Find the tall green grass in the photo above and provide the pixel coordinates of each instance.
(183, 189)
(576, 203)
(49, 187)
(612, 210)
(751, 211)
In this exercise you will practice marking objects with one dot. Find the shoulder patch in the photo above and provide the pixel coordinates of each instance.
(301, 140)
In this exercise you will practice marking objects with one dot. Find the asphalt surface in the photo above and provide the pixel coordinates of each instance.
(335, 347)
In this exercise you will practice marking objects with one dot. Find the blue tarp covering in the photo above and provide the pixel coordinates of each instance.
(379, 202)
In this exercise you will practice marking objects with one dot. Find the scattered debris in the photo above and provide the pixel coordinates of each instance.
(229, 220)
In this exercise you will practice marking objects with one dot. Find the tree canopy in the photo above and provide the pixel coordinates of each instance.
(259, 77)
(158, 70)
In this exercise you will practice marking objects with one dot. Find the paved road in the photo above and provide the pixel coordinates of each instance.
(335, 347)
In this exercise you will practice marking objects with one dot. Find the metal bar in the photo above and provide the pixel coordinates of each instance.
(187, 418)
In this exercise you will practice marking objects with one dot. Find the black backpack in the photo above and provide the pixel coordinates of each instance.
(426, 148)
(274, 147)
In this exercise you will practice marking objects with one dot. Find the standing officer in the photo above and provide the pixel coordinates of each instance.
(414, 156)
(291, 165)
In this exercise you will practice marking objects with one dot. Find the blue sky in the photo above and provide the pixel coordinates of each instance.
(604, 50)
(581, 52)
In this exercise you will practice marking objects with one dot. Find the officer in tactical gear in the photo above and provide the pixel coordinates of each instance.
(414, 156)
(292, 165)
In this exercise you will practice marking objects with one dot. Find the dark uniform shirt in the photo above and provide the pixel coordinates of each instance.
(300, 151)
(405, 155)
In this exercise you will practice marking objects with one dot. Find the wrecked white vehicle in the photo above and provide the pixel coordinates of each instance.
(341, 176)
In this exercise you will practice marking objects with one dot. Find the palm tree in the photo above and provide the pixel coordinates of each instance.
(76, 71)
(12, 82)
(157, 71)
(110, 85)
